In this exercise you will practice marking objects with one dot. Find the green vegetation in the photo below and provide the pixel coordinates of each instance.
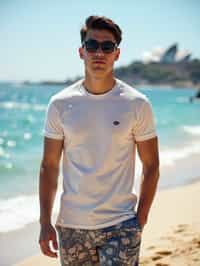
(194, 68)
(161, 73)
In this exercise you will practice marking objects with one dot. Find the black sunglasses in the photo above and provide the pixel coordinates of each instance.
(92, 46)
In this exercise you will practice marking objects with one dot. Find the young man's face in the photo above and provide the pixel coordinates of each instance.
(99, 63)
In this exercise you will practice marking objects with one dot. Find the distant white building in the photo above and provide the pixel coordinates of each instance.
(169, 55)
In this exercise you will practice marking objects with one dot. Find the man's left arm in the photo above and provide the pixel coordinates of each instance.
(149, 156)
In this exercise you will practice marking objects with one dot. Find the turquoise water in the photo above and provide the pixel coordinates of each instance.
(22, 110)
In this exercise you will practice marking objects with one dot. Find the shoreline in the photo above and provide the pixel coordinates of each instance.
(160, 226)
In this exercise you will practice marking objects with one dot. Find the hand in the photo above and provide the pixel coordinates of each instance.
(47, 235)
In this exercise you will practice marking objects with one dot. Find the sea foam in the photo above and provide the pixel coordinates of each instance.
(17, 212)
(170, 156)
(23, 106)
(193, 130)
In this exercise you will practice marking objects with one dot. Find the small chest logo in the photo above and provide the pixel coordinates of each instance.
(116, 123)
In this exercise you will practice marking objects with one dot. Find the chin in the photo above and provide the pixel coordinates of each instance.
(98, 72)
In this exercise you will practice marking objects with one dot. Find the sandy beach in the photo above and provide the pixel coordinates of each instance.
(172, 235)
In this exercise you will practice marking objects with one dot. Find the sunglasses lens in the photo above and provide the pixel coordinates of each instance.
(108, 46)
(92, 46)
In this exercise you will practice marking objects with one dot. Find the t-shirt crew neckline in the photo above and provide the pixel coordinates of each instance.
(98, 96)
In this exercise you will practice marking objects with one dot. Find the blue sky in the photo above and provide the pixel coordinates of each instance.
(39, 39)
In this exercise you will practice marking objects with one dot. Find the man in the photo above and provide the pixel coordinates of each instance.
(96, 124)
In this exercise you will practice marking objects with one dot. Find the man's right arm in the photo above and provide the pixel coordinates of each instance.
(49, 172)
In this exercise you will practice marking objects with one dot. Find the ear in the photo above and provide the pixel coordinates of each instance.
(117, 54)
(80, 50)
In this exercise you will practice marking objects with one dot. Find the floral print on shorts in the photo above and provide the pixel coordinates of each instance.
(116, 245)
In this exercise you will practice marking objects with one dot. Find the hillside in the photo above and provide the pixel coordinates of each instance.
(176, 74)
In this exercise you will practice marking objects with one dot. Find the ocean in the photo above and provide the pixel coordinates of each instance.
(22, 111)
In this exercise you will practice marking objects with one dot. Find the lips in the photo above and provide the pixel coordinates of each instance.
(99, 62)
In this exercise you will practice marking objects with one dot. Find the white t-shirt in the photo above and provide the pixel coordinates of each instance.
(99, 133)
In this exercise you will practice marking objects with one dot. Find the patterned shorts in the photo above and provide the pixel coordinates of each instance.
(116, 245)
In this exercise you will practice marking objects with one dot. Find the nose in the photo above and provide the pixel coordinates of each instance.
(99, 51)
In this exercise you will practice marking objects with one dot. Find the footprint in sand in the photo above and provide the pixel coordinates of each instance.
(151, 247)
(161, 254)
(181, 228)
(156, 257)
(183, 225)
(162, 264)
(196, 241)
(164, 252)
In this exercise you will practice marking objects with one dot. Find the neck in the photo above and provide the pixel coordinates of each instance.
(96, 85)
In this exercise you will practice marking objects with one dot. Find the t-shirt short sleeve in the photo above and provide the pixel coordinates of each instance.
(52, 126)
(144, 126)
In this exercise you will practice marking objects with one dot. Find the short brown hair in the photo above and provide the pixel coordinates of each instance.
(101, 23)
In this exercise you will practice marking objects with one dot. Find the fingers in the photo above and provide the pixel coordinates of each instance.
(55, 244)
(46, 250)
(48, 237)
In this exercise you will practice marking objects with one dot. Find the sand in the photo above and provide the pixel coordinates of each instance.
(172, 235)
